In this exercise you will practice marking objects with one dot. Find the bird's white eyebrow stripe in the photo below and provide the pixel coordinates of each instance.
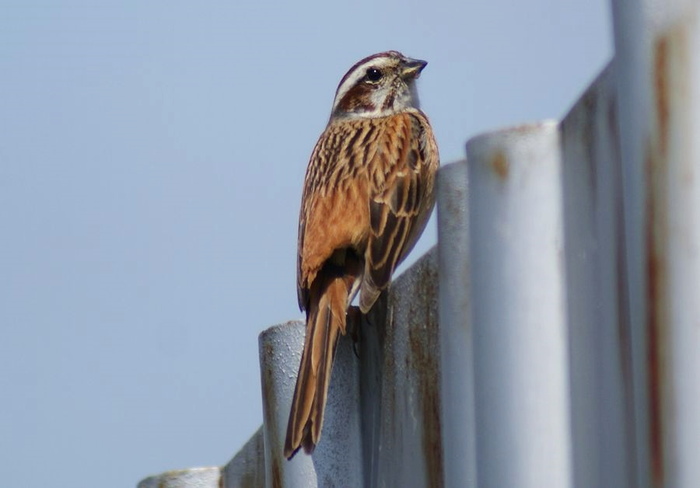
(356, 74)
(386, 55)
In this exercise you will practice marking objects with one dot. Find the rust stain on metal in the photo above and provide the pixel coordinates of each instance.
(500, 165)
(424, 346)
(656, 230)
(276, 473)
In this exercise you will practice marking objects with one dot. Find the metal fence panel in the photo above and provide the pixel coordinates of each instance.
(247, 468)
(456, 351)
(337, 460)
(601, 376)
(657, 44)
(519, 318)
(407, 439)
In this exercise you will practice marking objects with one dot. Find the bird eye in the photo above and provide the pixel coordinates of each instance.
(373, 74)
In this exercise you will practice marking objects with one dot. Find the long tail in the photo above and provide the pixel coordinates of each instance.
(325, 321)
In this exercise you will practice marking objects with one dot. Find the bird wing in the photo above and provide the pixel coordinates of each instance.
(402, 179)
(334, 215)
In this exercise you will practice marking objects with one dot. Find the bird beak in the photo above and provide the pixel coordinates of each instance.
(412, 68)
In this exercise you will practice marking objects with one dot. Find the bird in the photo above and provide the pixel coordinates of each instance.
(367, 196)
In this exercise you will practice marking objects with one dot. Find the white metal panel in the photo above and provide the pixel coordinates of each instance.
(337, 460)
(601, 366)
(456, 352)
(659, 84)
(408, 449)
(517, 285)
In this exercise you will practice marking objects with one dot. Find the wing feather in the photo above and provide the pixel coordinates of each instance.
(401, 200)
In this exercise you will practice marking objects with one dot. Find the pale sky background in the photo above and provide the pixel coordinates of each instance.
(151, 161)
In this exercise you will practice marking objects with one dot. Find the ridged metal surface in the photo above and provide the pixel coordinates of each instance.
(601, 366)
(658, 79)
(336, 460)
(456, 348)
(521, 359)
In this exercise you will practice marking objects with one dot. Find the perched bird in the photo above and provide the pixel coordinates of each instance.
(368, 193)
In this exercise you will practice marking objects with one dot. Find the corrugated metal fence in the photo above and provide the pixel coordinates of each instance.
(567, 353)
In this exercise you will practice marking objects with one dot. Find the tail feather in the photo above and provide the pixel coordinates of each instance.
(324, 323)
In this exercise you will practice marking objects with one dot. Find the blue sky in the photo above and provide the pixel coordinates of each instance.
(151, 162)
